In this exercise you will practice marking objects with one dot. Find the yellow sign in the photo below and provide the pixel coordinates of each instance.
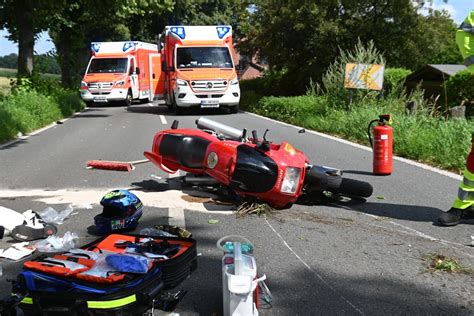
(363, 76)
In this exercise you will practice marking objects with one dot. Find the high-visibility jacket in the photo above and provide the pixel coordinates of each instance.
(465, 196)
(465, 41)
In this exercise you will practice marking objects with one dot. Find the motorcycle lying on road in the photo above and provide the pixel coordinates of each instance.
(277, 174)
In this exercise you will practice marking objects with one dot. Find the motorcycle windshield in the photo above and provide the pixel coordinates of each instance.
(254, 171)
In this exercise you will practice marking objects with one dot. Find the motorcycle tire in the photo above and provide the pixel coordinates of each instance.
(353, 187)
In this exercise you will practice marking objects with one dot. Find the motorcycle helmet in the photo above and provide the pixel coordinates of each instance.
(121, 212)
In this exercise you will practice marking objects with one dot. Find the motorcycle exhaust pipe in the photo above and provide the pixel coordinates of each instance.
(230, 132)
(200, 180)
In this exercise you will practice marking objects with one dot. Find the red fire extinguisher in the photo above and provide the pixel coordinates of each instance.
(382, 145)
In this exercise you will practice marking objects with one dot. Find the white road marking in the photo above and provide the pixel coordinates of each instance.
(80, 197)
(163, 120)
(311, 269)
(150, 104)
(175, 214)
(176, 217)
(407, 161)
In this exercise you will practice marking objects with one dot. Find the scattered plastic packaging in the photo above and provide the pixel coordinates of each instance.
(17, 251)
(57, 244)
(87, 206)
(152, 232)
(50, 215)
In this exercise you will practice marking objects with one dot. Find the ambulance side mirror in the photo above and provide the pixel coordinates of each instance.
(137, 71)
(163, 66)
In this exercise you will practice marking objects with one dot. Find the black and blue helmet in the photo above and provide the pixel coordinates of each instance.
(121, 212)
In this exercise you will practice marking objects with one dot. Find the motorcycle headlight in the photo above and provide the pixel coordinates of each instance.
(181, 82)
(234, 81)
(83, 84)
(291, 180)
(120, 83)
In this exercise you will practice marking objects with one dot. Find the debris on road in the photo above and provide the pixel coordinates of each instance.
(213, 221)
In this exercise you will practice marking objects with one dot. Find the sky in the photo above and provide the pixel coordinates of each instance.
(458, 9)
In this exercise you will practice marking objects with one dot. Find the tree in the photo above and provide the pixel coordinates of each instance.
(24, 19)
(81, 22)
(303, 38)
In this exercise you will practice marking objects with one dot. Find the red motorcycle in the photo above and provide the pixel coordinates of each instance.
(277, 174)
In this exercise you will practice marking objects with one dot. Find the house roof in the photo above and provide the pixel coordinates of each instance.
(434, 72)
(448, 69)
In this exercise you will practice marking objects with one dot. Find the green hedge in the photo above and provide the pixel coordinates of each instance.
(460, 87)
(25, 110)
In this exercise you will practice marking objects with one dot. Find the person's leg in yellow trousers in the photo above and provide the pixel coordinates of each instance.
(462, 207)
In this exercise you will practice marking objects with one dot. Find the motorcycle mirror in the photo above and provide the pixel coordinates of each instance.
(254, 135)
(265, 135)
(244, 134)
(175, 124)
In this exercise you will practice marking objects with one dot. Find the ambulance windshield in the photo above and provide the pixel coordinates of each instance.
(108, 65)
(203, 57)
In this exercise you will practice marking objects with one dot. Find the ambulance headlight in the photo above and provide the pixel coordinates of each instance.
(120, 83)
(83, 84)
(181, 82)
(291, 180)
(234, 81)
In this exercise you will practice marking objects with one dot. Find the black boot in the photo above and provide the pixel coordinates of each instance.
(454, 216)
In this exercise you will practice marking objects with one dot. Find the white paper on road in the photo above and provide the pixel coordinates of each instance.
(17, 251)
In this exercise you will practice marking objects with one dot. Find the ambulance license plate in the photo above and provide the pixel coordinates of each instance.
(100, 99)
(209, 103)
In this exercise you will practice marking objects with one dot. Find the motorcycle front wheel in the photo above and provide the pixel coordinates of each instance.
(319, 181)
(353, 187)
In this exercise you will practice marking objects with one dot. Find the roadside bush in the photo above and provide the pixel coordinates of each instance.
(249, 99)
(31, 110)
(25, 109)
(291, 109)
(333, 79)
(460, 87)
(393, 81)
(430, 139)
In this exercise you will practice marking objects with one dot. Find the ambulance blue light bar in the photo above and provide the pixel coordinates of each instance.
(95, 47)
(179, 30)
(222, 31)
(127, 46)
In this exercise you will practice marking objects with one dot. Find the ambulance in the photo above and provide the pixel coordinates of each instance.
(197, 68)
(121, 72)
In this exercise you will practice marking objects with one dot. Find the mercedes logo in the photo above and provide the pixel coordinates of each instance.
(99, 86)
(209, 85)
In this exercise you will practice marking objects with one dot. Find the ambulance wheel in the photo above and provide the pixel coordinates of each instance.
(234, 109)
(129, 99)
(176, 109)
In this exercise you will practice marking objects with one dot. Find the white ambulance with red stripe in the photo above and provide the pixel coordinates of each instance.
(197, 68)
(121, 72)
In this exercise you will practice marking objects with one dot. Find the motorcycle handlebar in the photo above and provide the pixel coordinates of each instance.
(230, 132)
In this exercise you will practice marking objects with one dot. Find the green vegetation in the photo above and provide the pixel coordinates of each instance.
(444, 263)
(429, 136)
(32, 105)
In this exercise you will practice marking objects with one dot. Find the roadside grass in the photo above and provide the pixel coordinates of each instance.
(26, 109)
(4, 85)
(7, 72)
(438, 262)
(432, 139)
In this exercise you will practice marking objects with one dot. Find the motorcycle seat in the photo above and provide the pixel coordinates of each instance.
(188, 151)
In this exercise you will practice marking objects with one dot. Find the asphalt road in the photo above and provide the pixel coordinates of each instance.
(319, 259)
